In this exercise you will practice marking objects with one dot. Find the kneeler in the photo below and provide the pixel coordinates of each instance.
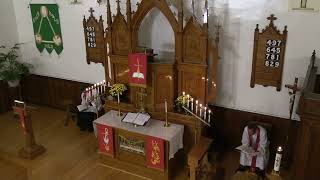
(31, 149)
(198, 160)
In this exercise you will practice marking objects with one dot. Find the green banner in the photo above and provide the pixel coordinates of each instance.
(46, 27)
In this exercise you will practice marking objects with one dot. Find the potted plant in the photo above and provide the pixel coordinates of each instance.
(12, 70)
(117, 90)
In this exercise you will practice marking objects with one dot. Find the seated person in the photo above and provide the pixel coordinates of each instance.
(90, 102)
(255, 137)
(89, 108)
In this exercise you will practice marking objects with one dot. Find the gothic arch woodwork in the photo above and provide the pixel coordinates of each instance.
(191, 71)
(120, 39)
(194, 43)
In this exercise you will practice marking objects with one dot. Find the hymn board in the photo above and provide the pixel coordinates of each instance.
(94, 38)
(268, 55)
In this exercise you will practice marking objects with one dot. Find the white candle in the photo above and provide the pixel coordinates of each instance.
(277, 161)
(104, 86)
(118, 98)
(165, 106)
(188, 96)
(183, 100)
(191, 104)
(205, 113)
(196, 106)
(200, 110)
(209, 116)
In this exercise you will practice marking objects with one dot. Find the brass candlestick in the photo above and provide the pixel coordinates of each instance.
(119, 112)
(166, 124)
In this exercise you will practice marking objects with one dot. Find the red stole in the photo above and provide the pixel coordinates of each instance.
(254, 158)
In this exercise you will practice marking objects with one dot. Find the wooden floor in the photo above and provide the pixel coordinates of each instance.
(71, 154)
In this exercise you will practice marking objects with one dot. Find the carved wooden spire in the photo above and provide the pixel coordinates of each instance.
(180, 15)
(129, 12)
(109, 18)
(118, 6)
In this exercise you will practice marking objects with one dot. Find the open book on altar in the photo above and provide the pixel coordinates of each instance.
(139, 119)
(248, 150)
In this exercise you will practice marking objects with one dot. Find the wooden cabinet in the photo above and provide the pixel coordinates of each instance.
(308, 147)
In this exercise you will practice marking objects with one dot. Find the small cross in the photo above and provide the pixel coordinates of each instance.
(118, 5)
(272, 18)
(192, 6)
(91, 11)
(293, 87)
(313, 58)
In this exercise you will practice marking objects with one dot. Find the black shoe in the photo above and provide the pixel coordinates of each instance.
(241, 168)
(260, 173)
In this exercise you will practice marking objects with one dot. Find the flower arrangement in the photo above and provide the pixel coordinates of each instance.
(181, 100)
(117, 89)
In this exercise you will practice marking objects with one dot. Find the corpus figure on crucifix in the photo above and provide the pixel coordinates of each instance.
(294, 89)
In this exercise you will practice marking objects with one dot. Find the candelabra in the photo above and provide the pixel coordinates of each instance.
(201, 113)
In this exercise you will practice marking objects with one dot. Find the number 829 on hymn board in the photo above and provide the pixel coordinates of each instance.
(272, 55)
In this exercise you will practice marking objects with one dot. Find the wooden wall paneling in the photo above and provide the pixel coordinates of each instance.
(192, 80)
(317, 86)
(120, 39)
(162, 86)
(50, 91)
(213, 59)
(194, 43)
(7, 96)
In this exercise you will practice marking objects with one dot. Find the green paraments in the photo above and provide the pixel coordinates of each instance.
(46, 27)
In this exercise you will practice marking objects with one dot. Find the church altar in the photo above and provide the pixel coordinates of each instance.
(148, 147)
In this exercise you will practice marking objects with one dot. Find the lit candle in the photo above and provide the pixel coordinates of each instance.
(205, 113)
(90, 92)
(277, 161)
(191, 104)
(196, 106)
(209, 116)
(104, 86)
(118, 98)
(165, 105)
(183, 100)
(200, 110)
(188, 96)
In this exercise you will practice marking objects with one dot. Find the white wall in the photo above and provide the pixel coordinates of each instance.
(238, 19)
(8, 25)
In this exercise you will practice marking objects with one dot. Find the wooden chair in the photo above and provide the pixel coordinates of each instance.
(68, 103)
(198, 160)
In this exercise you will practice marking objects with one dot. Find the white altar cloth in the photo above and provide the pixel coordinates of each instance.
(173, 134)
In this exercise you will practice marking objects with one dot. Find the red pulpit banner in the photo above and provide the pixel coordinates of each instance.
(138, 64)
(155, 152)
(22, 117)
(105, 138)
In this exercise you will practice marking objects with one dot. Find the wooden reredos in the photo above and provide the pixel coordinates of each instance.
(195, 60)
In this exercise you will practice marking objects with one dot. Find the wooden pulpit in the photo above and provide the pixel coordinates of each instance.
(31, 149)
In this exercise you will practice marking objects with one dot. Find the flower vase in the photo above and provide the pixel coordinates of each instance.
(14, 83)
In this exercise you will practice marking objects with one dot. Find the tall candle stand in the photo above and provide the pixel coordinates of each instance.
(166, 124)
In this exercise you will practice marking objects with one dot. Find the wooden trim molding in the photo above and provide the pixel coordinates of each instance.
(51, 91)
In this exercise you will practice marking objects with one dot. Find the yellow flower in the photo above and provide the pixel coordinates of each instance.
(117, 89)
